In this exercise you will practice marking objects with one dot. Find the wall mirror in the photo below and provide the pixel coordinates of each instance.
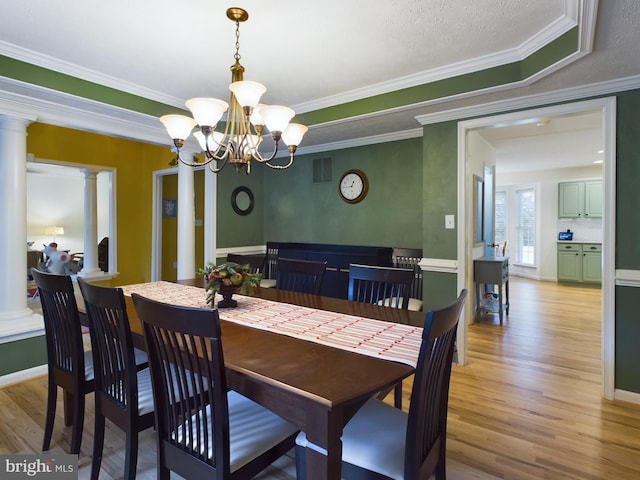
(242, 200)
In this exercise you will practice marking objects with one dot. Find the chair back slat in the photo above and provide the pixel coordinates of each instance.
(177, 338)
(112, 346)
(410, 258)
(271, 263)
(61, 321)
(427, 421)
(302, 276)
(384, 285)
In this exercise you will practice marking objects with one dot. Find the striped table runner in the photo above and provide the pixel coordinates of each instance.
(377, 338)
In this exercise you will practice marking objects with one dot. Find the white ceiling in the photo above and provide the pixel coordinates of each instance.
(547, 143)
(312, 55)
(177, 50)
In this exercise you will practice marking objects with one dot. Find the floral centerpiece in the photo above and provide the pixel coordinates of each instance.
(228, 278)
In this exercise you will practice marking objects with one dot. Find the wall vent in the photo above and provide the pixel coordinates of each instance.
(322, 169)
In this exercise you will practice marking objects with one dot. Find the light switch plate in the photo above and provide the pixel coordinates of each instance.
(449, 221)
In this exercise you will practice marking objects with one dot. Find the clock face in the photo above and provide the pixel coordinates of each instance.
(353, 186)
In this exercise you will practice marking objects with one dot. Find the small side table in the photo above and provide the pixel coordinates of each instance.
(490, 270)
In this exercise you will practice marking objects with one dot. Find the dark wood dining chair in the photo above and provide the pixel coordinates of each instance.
(69, 366)
(410, 258)
(256, 262)
(303, 276)
(383, 442)
(271, 264)
(203, 429)
(122, 390)
(385, 286)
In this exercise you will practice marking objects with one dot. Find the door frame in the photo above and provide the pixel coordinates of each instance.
(607, 106)
(210, 218)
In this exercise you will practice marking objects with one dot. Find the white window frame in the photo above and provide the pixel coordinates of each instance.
(511, 221)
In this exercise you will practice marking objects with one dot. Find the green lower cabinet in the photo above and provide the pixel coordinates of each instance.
(592, 263)
(569, 262)
(580, 262)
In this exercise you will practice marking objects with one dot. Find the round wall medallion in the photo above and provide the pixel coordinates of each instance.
(242, 200)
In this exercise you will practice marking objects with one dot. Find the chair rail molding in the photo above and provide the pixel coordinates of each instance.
(439, 265)
(627, 278)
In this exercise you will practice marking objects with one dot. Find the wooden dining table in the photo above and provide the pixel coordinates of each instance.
(314, 386)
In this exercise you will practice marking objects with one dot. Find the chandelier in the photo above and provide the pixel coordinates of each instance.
(246, 118)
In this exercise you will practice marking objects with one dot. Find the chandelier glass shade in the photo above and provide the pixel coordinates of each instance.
(244, 123)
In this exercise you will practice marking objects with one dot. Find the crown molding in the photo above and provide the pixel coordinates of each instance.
(65, 110)
(359, 142)
(51, 63)
(519, 103)
(53, 107)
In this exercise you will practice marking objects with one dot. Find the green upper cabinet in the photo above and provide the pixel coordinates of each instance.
(580, 199)
(593, 198)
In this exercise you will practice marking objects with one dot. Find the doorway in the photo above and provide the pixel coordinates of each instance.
(204, 198)
(606, 107)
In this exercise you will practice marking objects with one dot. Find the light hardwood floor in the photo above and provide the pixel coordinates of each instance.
(527, 406)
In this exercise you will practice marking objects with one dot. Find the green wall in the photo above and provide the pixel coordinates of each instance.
(627, 178)
(627, 305)
(22, 354)
(440, 189)
(233, 229)
(440, 156)
(297, 210)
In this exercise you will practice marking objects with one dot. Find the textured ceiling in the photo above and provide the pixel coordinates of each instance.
(178, 50)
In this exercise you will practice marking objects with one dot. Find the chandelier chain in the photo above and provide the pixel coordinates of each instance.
(237, 54)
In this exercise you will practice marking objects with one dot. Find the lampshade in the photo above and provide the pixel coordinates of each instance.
(276, 117)
(178, 126)
(247, 93)
(293, 134)
(54, 230)
(256, 116)
(207, 111)
(214, 141)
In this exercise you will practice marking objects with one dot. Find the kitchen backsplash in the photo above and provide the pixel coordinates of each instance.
(584, 230)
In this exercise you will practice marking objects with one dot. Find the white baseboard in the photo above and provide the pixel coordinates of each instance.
(625, 396)
(22, 375)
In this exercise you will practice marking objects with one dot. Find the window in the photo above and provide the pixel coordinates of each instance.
(515, 222)
(500, 223)
(525, 226)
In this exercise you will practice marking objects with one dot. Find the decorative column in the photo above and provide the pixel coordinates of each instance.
(186, 221)
(16, 319)
(90, 267)
(210, 218)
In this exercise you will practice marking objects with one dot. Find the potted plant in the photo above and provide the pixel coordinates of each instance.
(228, 278)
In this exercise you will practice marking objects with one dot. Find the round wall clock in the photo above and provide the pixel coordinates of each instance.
(242, 200)
(353, 186)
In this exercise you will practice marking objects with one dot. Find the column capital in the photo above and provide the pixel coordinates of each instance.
(15, 122)
(90, 173)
